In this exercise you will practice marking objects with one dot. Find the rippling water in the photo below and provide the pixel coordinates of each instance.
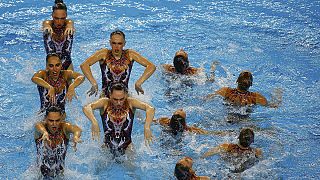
(278, 41)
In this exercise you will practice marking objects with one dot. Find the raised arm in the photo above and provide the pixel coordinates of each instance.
(78, 79)
(75, 130)
(135, 103)
(150, 68)
(88, 111)
(38, 78)
(85, 67)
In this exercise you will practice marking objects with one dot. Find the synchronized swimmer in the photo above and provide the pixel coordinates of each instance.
(57, 82)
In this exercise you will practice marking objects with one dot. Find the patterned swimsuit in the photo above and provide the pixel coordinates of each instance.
(60, 45)
(60, 87)
(51, 157)
(117, 125)
(114, 71)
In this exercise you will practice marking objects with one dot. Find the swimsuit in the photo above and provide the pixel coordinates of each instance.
(60, 45)
(117, 125)
(60, 86)
(114, 71)
(51, 156)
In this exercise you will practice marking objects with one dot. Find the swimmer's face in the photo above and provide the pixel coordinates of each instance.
(54, 66)
(118, 97)
(117, 43)
(59, 17)
(53, 121)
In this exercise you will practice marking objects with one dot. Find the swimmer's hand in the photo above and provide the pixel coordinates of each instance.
(147, 136)
(51, 95)
(45, 137)
(76, 140)
(138, 88)
(69, 31)
(95, 131)
(93, 90)
(70, 93)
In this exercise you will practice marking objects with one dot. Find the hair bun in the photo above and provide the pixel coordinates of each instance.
(58, 1)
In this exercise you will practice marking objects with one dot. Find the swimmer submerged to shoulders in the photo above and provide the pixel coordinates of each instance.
(118, 118)
(183, 170)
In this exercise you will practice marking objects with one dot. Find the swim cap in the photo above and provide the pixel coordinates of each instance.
(246, 137)
(180, 63)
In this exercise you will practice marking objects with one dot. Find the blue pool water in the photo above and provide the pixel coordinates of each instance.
(279, 41)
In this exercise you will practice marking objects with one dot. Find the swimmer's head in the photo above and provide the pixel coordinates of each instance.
(183, 169)
(245, 80)
(54, 65)
(181, 61)
(246, 137)
(59, 14)
(178, 122)
(117, 42)
(53, 118)
(118, 94)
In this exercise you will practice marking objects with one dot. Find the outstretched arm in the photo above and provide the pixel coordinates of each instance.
(164, 121)
(88, 111)
(221, 92)
(150, 68)
(215, 150)
(38, 78)
(85, 67)
(78, 79)
(276, 98)
(75, 130)
(135, 103)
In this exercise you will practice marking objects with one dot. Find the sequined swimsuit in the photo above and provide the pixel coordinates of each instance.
(51, 157)
(117, 125)
(114, 71)
(60, 86)
(59, 45)
(238, 98)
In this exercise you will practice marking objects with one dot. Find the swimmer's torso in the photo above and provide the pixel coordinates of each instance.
(60, 44)
(117, 124)
(235, 97)
(60, 86)
(51, 156)
(114, 70)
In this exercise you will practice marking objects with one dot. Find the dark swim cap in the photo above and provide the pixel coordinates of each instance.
(180, 63)
(245, 75)
(177, 124)
(182, 172)
(246, 137)
(58, 4)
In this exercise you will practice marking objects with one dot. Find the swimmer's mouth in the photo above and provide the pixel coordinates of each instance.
(54, 128)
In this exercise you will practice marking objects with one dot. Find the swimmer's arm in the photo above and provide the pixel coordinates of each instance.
(39, 130)
(202, 178)
(78, 78)
(215, 150)
(167, 67)
(197, 130)
(46, 26)
(150, 68)
(221, 133)
(75, 130)
(276, 98)
(149, 116)
(258, 152)
(85, 66)
(261, 100)
(164, 121)
(221, 92)
(88, 111)
(38, 78)
(69, 27)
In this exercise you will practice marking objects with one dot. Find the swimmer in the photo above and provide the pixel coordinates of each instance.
(116, 64)
(240, 150)
(181, 64)
(241, 96)
(58, 34)
(52, 137)
(177, 124)
(53, 84)
(117, 118)
(183, 170)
